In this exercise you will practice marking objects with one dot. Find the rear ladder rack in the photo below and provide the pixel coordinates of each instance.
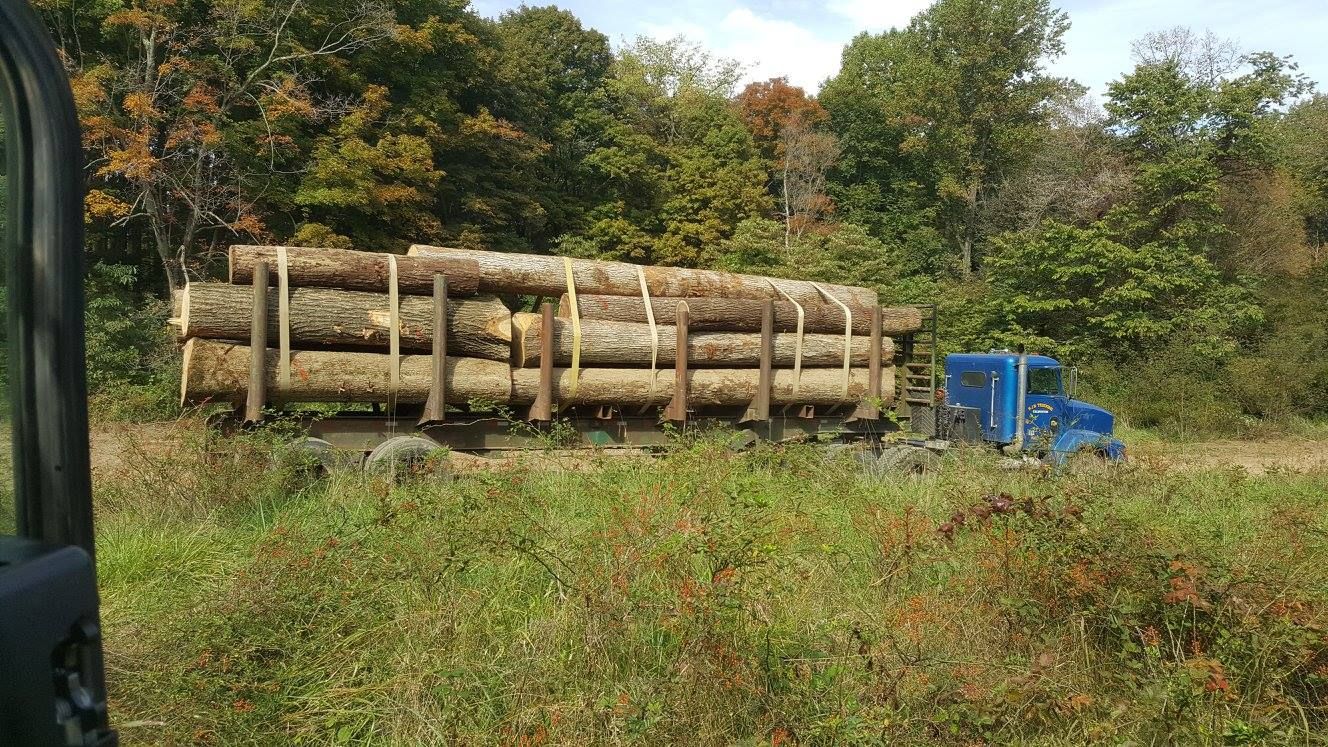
(915, 359)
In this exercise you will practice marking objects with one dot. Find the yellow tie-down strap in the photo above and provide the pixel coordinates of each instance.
(650, 319)
(848, 333)
(797, 346)
(283, 322)
(393, 332)
(574, 378)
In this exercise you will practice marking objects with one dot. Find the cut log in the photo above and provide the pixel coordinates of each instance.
(744, 314)
(350, 270)
(628, 344)
(707, 387)
(219, 371)
(478, 327)
(540, 275)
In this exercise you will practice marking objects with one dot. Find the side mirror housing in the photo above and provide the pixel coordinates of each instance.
(1072, 382)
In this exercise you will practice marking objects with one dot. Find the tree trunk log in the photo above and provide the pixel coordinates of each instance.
(539, 275)
(707, 387)
(477, 327)
(219, 371)
(349, 270)
(743, 314)
(628, 344)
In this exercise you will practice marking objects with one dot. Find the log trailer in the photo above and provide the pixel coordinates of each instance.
(1022, 404)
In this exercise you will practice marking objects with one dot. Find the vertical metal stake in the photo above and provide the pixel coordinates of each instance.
(542, 408)
(869, 409)
(436, 406)
(677, 407)
(760, 406)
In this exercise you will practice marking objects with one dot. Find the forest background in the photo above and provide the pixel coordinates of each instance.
(1168, 237)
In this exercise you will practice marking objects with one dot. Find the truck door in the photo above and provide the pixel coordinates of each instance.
(1044, 406)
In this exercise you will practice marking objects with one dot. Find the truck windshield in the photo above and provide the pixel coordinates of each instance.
(1045, 381)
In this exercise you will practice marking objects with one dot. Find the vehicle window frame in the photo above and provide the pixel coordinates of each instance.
(1060, 381)
(44, 260)
(981, 377)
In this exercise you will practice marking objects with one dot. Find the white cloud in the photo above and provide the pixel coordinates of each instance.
(772, 48)
(767, 48)
(878, 15)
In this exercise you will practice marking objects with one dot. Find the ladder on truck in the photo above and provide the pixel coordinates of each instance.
(915, 359)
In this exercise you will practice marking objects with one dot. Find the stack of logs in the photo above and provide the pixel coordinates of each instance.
(622, 335)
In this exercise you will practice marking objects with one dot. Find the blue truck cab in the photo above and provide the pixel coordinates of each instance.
(1025, 403)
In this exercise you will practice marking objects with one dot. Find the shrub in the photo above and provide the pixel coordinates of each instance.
(132, 361)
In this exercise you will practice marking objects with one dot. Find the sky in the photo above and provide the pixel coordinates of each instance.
(802, 39)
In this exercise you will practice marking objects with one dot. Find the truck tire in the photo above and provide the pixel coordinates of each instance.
(912, 460)
(1087, 461)
(316, 457)
(404, 455)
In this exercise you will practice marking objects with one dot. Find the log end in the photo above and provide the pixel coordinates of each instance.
(521, 325)
(234, 259)
(184, 371)
(181, 320)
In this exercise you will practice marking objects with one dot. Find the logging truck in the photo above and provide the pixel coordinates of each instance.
(1023, 405)
(426, 346)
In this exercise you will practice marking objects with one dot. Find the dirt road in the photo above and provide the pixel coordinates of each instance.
(1255, 457)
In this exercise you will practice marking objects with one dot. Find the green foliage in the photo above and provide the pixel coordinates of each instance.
(934, 117)
(960, 171)
(835, 253)
(370, 181)
(1076, 290)
(679, 169)
(1307, 160)
(1285, 373)
(133, 372)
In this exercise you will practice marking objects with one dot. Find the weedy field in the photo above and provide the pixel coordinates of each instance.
(772, 597)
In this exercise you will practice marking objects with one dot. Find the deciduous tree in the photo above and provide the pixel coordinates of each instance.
(192, 113)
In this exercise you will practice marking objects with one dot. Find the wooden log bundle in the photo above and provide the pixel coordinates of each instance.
(629, 344)
(350, 270)
(334, 320)
(321, 318)
(539, 275)
(743, 314)
(706, 387)
(219, 371)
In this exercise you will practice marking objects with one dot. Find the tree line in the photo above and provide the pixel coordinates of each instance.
(1170, 233)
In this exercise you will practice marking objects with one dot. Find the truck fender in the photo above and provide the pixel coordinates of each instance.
(1073, 440)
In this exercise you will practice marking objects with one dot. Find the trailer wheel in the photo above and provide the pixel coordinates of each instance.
(405, 455)
(911, 460)
(316, 457)
(1089, 461)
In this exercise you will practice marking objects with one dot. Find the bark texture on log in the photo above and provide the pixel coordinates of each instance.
(743, 314)
(477, 327)
(539, 275)
(709, 387)
(628, 344)
(219, 371)
(351, 270)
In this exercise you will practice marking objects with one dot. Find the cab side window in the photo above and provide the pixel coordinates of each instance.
(1044, 381)
(975, 379)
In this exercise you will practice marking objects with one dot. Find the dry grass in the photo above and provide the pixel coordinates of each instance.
(772, 597)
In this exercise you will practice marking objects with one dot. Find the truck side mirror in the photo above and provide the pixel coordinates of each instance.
(1072, 382)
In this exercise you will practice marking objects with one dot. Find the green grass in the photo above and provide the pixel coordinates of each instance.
(705, 597)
